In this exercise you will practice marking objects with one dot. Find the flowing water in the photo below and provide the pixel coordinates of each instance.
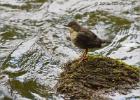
(34, 42)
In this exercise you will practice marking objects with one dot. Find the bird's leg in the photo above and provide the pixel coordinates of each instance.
(84, 55)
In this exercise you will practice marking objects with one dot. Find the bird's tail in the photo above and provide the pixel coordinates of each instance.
(106, 41)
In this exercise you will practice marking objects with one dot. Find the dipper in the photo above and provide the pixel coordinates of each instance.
(83, 38)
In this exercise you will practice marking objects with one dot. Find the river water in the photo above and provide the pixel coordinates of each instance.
(34, 43)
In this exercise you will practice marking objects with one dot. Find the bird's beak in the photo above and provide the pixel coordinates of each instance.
(66, 25)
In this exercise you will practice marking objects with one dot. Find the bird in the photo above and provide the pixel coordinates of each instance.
(83, 38)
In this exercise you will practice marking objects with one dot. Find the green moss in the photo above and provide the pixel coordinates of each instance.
(84, 80)
(78, 16)
(41, 1)
(28, 87)
(14, 74)
(27, 6)
(97, 16)
(9, 34)
(137, 9)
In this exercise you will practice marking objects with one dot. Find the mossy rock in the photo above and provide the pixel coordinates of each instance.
(104, 16)
(95, 77)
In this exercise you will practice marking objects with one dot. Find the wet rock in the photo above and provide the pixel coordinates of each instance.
(98, 76)
(4, 94)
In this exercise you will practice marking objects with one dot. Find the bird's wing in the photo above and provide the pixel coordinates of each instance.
(82, 36)
(90, 38)
(88, 35)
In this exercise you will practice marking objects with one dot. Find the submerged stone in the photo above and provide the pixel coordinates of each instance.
(92, 79)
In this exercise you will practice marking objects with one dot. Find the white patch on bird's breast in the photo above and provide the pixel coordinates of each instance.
(73, 34)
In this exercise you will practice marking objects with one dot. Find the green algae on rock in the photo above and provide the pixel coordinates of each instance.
(95, 77)
(104, 16)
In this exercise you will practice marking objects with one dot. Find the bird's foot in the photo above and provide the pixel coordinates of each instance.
(83, 59)
(84, 56)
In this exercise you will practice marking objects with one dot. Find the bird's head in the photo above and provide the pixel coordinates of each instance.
(73, 25)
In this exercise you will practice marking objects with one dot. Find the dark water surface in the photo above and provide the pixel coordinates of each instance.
(34, 43)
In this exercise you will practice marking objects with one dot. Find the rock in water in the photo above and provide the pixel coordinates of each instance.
(92, 79)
